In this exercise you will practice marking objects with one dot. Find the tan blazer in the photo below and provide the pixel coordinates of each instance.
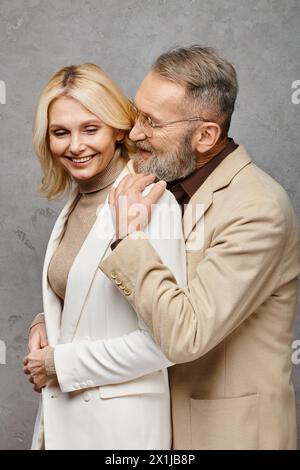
(232, 327)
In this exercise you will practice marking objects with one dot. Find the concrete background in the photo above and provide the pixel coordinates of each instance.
(261, 37)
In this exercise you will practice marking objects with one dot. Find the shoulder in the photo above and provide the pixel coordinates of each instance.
(255, 190)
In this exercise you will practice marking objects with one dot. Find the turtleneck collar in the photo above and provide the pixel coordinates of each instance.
(105, 178)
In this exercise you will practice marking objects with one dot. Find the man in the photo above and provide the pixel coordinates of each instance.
(230, 331)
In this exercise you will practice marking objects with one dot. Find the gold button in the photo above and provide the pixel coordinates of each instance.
(121, 286)
(127, 291)
(113, 274)
(118, 281)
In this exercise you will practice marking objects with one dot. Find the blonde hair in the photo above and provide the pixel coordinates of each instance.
(94, 89)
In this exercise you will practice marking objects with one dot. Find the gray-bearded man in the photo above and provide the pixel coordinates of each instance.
(230, 330)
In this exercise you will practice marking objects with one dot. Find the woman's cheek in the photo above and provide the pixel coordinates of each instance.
(52, 146)
(56, 148)
(96, 141)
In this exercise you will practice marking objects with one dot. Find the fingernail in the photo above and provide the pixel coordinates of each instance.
(162, 183)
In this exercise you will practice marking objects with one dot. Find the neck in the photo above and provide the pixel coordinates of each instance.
(205, 157)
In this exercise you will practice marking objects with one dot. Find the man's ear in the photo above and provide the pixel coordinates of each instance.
(206, 137)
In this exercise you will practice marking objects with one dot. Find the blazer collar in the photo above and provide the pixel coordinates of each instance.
(218, 179)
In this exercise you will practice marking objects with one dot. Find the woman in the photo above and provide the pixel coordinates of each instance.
(103, 379)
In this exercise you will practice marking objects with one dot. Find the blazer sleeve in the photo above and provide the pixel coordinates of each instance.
(237, 272)
(86, 364)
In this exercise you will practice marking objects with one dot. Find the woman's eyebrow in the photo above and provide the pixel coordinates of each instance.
(85, 123)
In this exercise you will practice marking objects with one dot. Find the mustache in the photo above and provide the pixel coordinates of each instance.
(143, 146)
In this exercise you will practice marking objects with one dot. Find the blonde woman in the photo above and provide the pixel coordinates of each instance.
(103, 379)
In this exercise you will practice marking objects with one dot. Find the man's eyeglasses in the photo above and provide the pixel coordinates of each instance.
(148, 125)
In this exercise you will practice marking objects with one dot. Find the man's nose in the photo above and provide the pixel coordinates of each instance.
(137, 133)
(76, 145)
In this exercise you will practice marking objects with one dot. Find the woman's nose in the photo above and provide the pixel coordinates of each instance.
(76, 145)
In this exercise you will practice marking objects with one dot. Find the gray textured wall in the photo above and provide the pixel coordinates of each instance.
(262, 38)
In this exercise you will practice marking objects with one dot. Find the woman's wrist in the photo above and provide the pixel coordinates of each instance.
(39, 318)
(49, 363)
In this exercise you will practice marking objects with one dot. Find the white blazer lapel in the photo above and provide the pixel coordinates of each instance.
(51, 303)
(85, 266)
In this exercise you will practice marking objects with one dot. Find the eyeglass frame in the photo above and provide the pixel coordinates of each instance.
(153, 125)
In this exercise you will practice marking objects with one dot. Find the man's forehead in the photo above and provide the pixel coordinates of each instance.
(156, 91)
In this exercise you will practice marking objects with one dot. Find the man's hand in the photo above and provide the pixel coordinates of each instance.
(132, 210)
(34, 365)
(37, 337)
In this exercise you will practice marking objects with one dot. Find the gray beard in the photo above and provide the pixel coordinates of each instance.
(166, 166)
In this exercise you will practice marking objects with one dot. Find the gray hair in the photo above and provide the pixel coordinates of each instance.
(210, 80)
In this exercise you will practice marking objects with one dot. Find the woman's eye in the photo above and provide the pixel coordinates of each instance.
(91, 130)
(59, 133)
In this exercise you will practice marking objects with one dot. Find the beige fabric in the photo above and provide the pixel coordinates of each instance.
(49, 363)
(231, 330)
(39, 318)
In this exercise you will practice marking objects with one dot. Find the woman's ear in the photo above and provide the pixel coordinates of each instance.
(206, 137)
(120, 135)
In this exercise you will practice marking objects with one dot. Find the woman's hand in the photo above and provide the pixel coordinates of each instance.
(37, 337)
(34, 365)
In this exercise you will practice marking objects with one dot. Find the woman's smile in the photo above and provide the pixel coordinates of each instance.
(81, 161)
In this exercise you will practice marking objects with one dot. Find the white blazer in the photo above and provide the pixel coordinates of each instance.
(112, 387)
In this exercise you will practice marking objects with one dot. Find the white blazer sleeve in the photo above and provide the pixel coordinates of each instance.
(92, 363)
(87, 364)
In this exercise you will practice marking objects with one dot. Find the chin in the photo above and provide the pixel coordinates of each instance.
(140, 164)
(82, 175)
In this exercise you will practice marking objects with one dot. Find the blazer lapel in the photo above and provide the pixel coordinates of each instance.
(197, 207)
(52, 304)
(219, 178)
(85, 266)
